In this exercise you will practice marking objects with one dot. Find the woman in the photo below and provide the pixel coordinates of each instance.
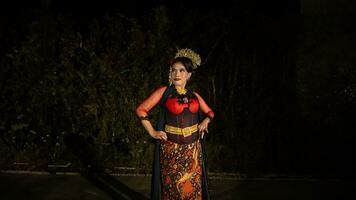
(179, 170)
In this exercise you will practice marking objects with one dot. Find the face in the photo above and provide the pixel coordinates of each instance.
(180, 75)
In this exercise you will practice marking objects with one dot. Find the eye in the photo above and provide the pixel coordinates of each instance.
(182, 70)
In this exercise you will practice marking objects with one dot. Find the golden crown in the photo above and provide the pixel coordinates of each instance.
(188, 53)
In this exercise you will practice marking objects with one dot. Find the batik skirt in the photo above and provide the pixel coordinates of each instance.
(181, 170)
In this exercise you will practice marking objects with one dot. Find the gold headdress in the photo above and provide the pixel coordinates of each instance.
(188, 53)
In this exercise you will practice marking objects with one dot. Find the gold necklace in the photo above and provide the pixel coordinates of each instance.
(181, 90)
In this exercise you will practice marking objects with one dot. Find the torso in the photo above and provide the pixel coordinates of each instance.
(182, 112)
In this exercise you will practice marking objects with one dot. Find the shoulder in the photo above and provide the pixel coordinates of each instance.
(158, 92)
(160, 89)
(200, 99)
(196, 94)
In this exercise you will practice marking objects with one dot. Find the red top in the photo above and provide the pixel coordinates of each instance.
(172, 105)
(176, 108)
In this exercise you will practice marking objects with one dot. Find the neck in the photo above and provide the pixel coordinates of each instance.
(180, 87)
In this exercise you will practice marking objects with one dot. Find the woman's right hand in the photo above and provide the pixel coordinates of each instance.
(161, 135)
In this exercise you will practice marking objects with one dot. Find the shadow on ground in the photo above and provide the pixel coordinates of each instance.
(112, 186)
(83, 150)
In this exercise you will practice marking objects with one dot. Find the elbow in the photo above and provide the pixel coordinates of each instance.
(140, 112)
(210, 114)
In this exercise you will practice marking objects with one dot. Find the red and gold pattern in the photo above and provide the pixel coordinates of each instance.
(181, 170)
(143, 109)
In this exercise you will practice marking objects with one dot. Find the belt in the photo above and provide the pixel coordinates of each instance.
(187, 131)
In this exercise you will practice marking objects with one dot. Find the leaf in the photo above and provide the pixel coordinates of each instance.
(16, 127)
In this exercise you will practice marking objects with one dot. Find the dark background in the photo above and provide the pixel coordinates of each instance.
(280, 76)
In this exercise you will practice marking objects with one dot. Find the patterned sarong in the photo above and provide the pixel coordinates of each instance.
(181, 170)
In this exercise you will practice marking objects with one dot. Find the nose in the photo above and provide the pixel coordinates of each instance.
(176, 74)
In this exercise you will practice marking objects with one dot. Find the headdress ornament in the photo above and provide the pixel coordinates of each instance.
(188, 53)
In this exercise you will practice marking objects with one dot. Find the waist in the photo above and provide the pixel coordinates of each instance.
(187, 131)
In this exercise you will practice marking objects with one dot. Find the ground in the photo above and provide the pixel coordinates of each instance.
(42, 186)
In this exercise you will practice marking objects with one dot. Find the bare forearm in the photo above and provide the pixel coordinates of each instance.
(148, 126)
(153, 133)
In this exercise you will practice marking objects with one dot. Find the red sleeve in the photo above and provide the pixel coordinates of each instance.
(143, 109)
(204, 107)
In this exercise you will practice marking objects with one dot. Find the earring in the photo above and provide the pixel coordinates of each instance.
(170, 80)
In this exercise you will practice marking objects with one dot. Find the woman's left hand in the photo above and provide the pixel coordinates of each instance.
(203, 127)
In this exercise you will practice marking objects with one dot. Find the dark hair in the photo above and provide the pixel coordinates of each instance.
(185, 61)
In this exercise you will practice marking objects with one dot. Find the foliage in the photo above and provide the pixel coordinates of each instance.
(69, 89)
